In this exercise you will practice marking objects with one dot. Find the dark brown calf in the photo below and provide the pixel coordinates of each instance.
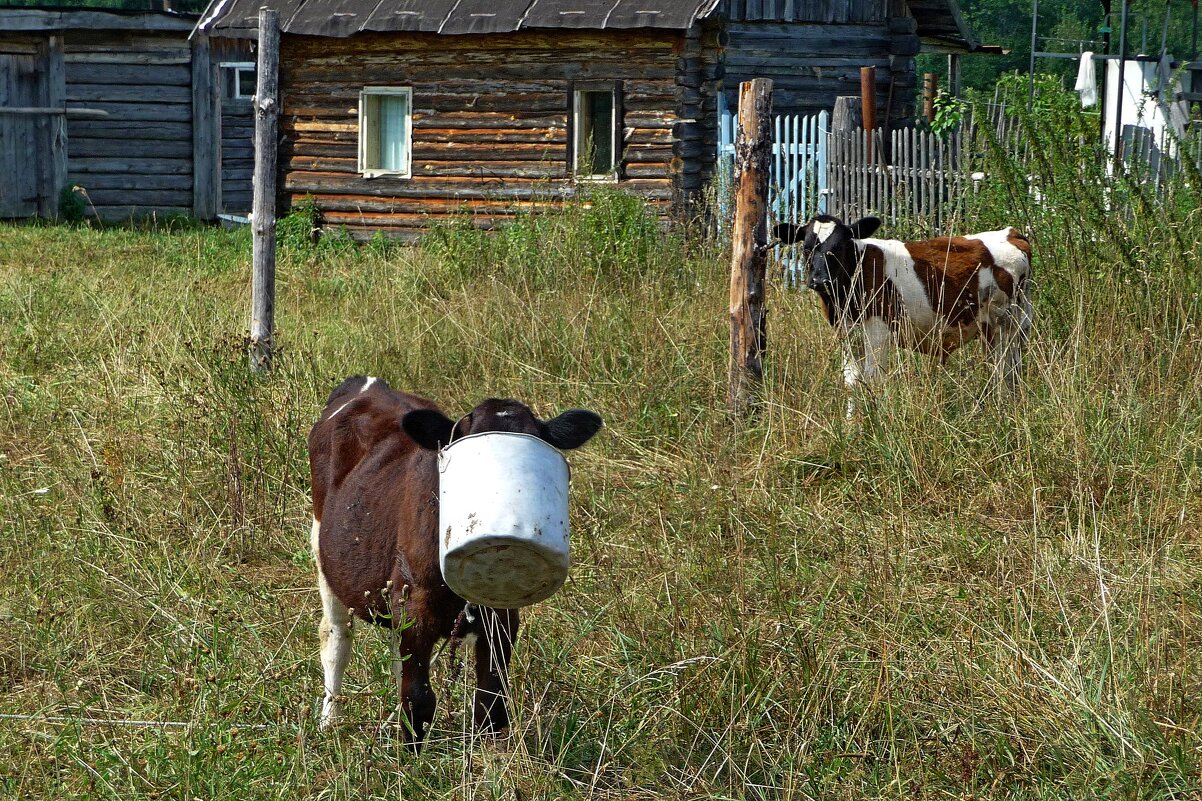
(373, 459)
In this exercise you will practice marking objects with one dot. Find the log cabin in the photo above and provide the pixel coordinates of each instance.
(397, 115)
(123, 105)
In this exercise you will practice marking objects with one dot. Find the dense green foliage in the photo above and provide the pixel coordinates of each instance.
(1066, 26)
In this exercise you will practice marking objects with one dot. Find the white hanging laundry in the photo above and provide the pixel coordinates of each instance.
(1087, 80)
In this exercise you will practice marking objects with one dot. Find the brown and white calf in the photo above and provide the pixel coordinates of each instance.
(373, 460)
(932, 295)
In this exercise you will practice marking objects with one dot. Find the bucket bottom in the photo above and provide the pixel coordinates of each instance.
(504, 572)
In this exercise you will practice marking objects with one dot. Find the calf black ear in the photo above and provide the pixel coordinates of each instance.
(865, 228)
(789, 233)
(429, 428)
(571, 429)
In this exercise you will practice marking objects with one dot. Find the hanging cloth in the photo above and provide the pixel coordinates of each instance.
(1087, 80)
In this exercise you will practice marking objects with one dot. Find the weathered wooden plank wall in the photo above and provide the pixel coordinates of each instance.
(489, 121)
(811, 64)
(237, 155)
(144, 82)
(21, 86)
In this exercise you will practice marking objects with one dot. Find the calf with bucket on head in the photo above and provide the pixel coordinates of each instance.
(436, 528)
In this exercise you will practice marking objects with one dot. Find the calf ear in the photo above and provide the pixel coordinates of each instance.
(865, 228)
(429, 428)
(571, 429)
(789, 233)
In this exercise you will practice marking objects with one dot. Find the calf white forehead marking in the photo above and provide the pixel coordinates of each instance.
(504, 414)
(371, 379)
(823, 230)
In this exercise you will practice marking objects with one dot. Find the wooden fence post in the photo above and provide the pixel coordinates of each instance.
(267, 109)
(930, 88)
(868, 103)
(749, 245)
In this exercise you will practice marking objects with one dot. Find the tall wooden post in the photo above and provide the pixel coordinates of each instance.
(868, 103)
(930, 87)
(267, 109)
(749, 245)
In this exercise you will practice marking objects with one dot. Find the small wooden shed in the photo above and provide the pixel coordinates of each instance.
(399, 113)
(123, 105)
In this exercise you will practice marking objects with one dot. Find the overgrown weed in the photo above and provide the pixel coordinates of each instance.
(951, 595)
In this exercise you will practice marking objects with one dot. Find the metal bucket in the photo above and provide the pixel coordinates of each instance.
(503, 519)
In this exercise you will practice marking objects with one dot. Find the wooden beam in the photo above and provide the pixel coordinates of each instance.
(267, 109)
(26, 20)
(206, 136)
(749, 246)
(54, 136)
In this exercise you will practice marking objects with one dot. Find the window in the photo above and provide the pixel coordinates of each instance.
(385, 128)
(596, 142)
(239, 83)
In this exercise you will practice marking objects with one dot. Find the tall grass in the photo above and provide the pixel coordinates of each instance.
(951, 596)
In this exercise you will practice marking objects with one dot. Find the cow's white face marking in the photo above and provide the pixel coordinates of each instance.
(371, 379)
(504, 414)
(823, 230)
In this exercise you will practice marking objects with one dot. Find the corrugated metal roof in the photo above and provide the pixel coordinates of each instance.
(239, 18)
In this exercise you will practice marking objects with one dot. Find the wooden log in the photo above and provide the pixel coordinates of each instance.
(749, 239)
(848, 114)
(82, 166)
(100, 92)
(85, 146)
(134, 183)
(206, 140)
(267, 107)
(930, 87)
(131, 73)
(141, 112)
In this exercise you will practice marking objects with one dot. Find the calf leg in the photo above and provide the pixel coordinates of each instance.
(1009, 342)
(868, 368)
(493, 649)
(335, 635)
(412, 647)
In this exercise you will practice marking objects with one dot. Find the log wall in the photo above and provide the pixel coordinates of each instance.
(490, 121)
(811, 64)
(139, 159)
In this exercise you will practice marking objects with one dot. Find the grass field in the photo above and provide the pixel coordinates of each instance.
(949, 597)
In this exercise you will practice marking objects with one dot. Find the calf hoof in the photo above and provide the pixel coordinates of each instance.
(331, 713)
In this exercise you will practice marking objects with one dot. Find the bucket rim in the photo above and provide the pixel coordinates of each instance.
(444, 453)
(482, 434)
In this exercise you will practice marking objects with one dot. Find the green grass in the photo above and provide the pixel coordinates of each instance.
(949, 597)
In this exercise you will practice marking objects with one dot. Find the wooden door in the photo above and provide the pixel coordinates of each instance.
(21, 89)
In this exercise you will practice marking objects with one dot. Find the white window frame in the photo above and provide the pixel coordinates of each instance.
(236, 68)
(364, 94)
(577, 133)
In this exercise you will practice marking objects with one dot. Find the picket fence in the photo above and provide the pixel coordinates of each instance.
(913, 178)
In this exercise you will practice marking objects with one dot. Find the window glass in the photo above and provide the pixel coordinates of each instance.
(246, 82)
(384, 126)
(594, 133)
